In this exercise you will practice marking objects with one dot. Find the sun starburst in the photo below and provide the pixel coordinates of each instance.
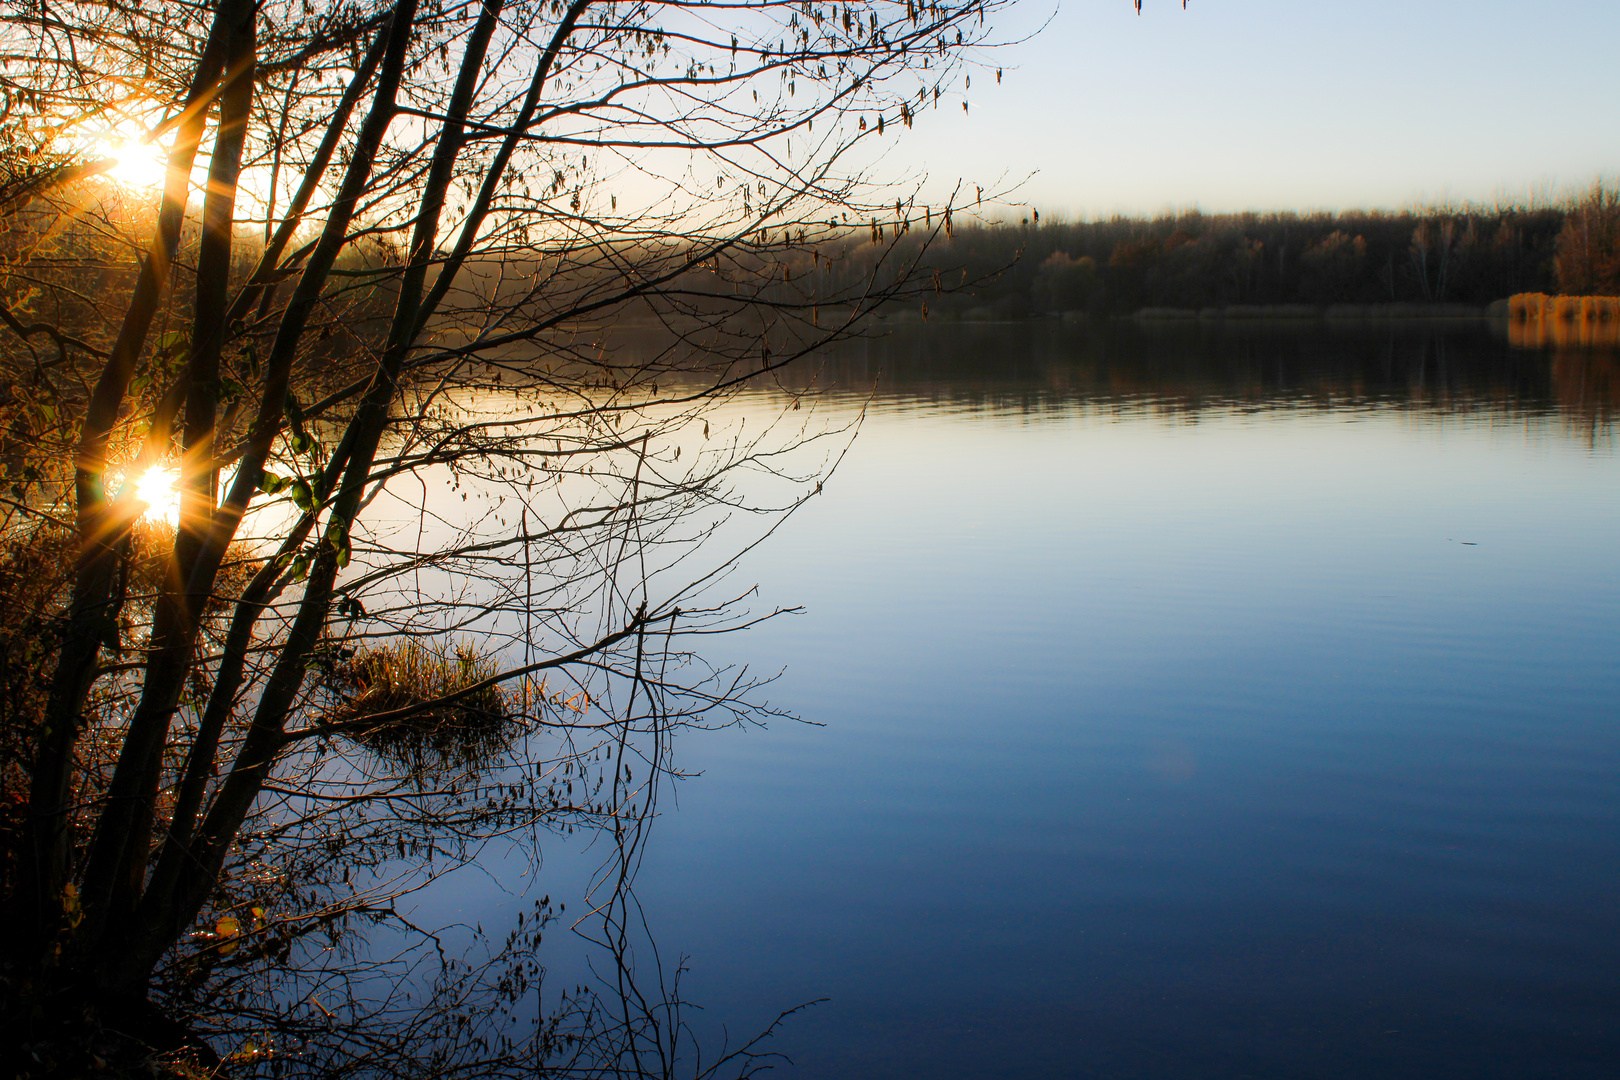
(157, 488)
(140, 164)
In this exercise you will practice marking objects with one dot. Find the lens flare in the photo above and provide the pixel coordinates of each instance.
(156, 487)
(139, 164)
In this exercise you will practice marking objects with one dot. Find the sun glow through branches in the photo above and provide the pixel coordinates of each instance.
(156, 487)
(139, 164)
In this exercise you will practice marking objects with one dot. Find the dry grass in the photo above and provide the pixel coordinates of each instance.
(412, 674)
(1536, 320)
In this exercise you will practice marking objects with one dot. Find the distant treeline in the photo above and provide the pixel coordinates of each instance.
(1429, 260)
(1195, 261)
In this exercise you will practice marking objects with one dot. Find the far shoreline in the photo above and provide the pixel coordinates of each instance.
(1496, 311)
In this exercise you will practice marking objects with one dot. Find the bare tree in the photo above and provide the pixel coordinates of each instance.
(463, 283)
(1588, 252)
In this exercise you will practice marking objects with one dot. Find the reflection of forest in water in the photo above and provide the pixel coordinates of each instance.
(1467, 367)
(1158, 615)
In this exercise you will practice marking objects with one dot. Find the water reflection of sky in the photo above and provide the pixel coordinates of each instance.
(1257, 739)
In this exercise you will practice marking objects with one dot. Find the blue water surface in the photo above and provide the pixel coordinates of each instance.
(1181, 705)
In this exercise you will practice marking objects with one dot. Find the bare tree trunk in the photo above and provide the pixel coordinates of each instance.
(151, 932)
(45, 863)
(118, 856)
(520, 124)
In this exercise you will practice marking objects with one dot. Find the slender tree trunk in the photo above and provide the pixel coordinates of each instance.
(151, 931)
(45, 865)
(118, 858)
(176, 893)
(259, 282)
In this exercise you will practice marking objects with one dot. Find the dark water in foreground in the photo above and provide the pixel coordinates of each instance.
(1195, 705)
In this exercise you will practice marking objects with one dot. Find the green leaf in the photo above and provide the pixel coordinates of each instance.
(173, 341)
(302, 497)
(338, 537)
(300, 568)
(271, 484)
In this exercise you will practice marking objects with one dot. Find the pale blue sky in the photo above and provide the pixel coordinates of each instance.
(1270, 104)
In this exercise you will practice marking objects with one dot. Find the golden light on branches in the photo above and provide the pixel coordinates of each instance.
(518, 252)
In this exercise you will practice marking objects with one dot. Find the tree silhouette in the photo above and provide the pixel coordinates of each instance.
(403, 251)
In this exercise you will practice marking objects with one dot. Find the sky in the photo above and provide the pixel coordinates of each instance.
(1299, 105)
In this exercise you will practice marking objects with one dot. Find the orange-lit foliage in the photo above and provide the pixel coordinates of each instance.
(1588, 258)
(1536, 320)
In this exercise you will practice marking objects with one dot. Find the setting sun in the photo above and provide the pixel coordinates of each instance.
(139, 164)
(156, 488)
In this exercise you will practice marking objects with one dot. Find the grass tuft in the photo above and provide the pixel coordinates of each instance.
(411, 674)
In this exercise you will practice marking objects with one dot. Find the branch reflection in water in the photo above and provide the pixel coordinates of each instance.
(502, 683)
(632, 1013)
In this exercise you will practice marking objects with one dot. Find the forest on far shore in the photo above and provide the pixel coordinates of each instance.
(1121, 265)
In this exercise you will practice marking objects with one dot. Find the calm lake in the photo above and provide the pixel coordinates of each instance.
(1191, 702)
